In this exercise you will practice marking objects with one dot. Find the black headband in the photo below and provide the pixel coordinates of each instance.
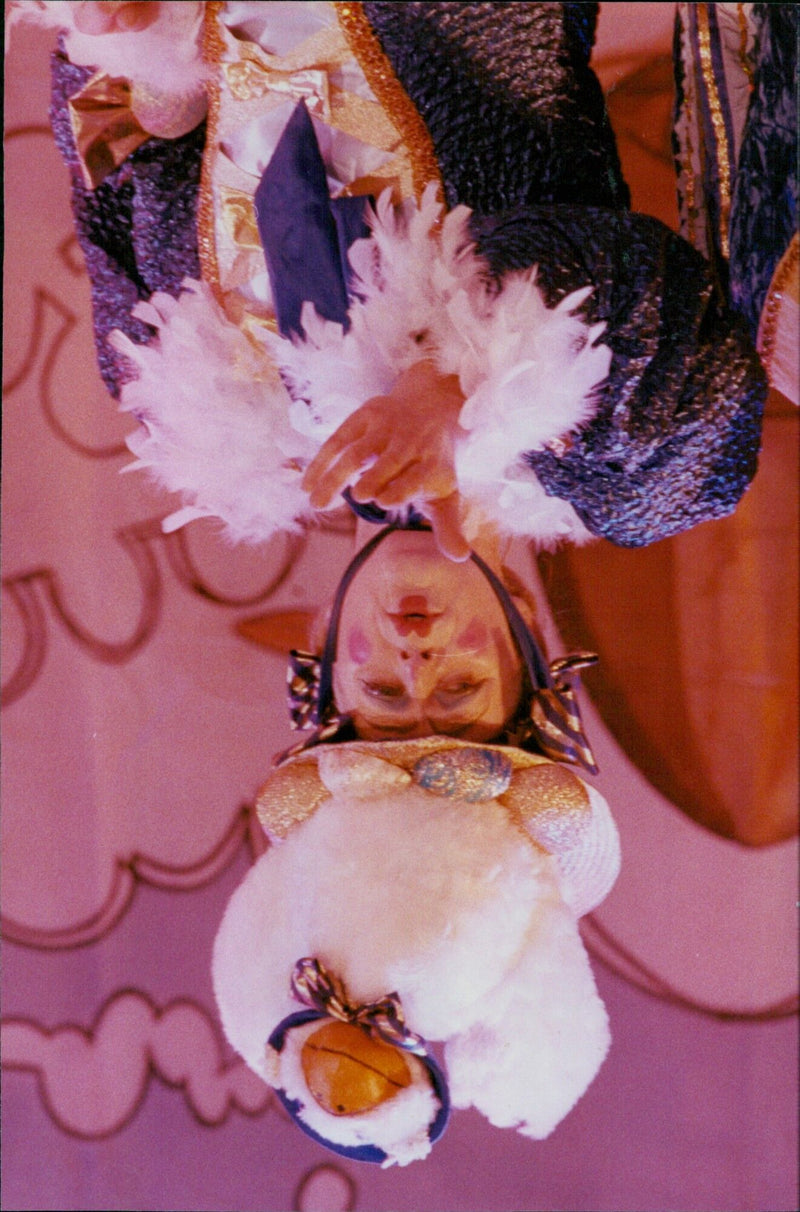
(532, 656)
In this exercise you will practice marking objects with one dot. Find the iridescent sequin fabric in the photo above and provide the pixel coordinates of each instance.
(137, 229)
(505, 90)
(517, 122)
(676, 437)
(517, 125)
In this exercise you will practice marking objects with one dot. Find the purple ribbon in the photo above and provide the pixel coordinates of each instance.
(305, 235)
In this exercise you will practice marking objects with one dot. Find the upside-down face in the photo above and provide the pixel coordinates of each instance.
(424, 647)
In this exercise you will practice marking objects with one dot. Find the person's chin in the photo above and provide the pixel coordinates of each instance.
(416, 542)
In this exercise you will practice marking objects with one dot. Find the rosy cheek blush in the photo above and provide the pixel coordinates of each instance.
(358, 646)
(475, 636)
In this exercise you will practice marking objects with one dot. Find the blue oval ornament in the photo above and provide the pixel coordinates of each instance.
(468, 774)
(365, 1152)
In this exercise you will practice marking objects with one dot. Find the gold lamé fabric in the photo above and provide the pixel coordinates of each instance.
(249, 82)
(104, 126)
(538, 790)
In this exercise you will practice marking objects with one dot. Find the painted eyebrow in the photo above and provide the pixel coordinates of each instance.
(370, 684)
(385, 725)
(453, 724)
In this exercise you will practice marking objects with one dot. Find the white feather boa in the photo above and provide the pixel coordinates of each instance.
(215, 419)
(223, 430)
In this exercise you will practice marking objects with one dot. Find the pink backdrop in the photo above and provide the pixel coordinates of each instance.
(137, 725)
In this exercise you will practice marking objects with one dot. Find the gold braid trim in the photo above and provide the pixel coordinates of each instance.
(685, 123)
(390, 93)
(743, 56)
(718, 122)
(779, 286)
(213, 46)
(689, 174)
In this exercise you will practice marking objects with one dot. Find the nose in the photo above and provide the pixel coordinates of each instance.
(419, 672)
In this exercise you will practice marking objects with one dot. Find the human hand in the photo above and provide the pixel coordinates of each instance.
(399, 448)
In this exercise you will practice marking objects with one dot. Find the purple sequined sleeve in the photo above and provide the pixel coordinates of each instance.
(137, 229)
(676, 435)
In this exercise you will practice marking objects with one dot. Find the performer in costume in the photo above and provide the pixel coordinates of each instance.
(569, 368)
(632, 433)
(423, 889)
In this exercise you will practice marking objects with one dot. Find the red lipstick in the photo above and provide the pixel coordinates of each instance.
(413, 615)
(415, 603)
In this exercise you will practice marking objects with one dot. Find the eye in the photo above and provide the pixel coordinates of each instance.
(460, 688)
(384, 690)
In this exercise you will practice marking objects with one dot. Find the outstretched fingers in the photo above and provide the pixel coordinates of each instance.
(352, 430)
(393, 480)
(444, 516)
(331, 472)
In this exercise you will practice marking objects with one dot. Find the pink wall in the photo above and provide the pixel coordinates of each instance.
(137, 726)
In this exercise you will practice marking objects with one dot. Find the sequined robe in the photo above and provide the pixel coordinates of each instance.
(518, 129)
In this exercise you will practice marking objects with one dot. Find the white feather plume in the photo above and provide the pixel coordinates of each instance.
(215, 417)
(223, 430)
(528, 372)
(390, 326)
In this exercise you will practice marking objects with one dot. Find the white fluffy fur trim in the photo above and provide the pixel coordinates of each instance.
(166, 56)
(215, 417)
(223, 431)
(408, 892)
(528, 372)
(445, 903)
(541, 1039)
(399, 1126)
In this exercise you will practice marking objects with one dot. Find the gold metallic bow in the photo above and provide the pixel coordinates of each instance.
(556, 717)
(105, 128)
(239, 215)
(314, 986)
(254, 76)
